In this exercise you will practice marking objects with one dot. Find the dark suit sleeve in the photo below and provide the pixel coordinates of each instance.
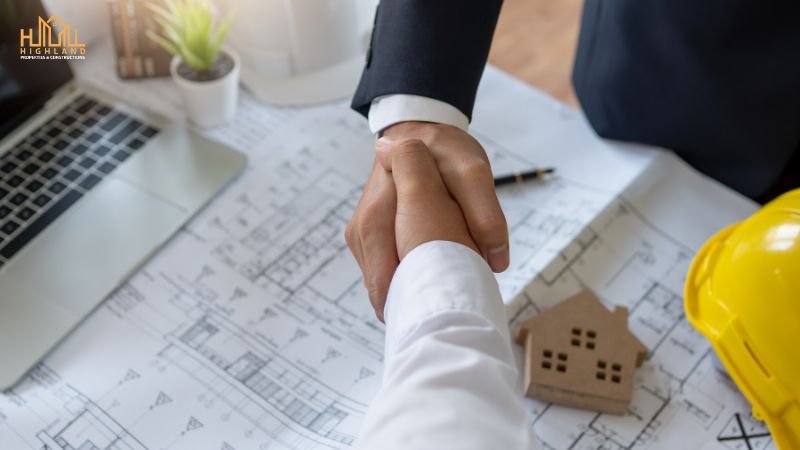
(432, 48)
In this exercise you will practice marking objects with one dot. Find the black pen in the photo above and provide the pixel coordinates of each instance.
(519, 177)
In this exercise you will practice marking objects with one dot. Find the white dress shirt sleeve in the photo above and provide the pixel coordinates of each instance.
(450, 381)
(391, 109)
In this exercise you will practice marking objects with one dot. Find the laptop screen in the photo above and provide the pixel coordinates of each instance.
(24, 84)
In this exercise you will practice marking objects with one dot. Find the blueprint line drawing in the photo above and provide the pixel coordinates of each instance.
(90, 428)
(741, 433)
(251, 329)
(292, 399)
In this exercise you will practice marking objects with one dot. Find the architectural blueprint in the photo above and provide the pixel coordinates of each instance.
(251, 328)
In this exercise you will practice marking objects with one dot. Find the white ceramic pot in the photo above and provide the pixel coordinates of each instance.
(210, 103)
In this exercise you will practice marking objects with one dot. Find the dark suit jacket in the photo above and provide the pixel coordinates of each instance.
(718, 81)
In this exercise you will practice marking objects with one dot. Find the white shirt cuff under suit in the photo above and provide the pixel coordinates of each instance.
(391, 109)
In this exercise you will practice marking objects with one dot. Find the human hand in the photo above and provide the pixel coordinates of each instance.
(370, 235)
(425, 210)
(465, 171)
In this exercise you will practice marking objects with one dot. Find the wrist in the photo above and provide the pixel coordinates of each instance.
(427, 132)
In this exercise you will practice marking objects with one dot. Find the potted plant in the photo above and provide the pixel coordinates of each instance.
(207, 74)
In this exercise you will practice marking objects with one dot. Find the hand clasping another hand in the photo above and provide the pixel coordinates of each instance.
(438, 186)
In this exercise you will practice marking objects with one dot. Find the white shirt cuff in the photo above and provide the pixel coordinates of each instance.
(391, 109)
(437, 277)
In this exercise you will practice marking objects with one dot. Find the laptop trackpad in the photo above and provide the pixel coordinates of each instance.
(90, 251)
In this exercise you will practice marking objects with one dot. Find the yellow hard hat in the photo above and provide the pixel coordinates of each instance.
(743, 295)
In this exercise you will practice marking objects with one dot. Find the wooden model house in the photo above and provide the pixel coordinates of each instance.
(580, 354)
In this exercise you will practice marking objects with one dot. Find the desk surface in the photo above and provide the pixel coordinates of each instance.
(549, 29)
(252, 329)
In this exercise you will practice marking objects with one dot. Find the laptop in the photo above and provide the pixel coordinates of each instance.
(89, 189)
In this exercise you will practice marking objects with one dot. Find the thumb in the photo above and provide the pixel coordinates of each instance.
(425, 210)
(414, 169)
(383, 152)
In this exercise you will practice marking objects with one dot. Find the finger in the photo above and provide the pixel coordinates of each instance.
(383, 152)
(414, 170)
(351, 232)
(353, 241)
(376, 234)
(472, 186)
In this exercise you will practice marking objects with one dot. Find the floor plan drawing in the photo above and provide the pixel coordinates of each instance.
(251, 329)
(90, 428)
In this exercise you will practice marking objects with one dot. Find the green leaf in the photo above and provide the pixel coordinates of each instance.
(194, 61)
(222, 30)
(168, 30)
(189, 29)
(163, 43)
(161, 13)
(171, 5)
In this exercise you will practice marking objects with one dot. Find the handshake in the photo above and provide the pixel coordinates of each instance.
(429, 182)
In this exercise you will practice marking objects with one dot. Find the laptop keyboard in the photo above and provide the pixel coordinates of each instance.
(56, 165)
